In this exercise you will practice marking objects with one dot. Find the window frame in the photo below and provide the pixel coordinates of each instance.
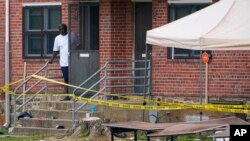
(85, 27)
(190, 54)
(44, 31)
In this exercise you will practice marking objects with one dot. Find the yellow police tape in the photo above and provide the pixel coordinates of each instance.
(243, 109)
(131, 97)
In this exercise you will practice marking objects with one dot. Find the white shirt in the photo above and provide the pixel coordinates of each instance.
(61, 44)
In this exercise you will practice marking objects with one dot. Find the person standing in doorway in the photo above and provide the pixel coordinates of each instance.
(61, 45)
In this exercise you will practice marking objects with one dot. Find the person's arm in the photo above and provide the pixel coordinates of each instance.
(53, 56)
(55, 51)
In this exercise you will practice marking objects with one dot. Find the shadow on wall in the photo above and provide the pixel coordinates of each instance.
(2, 95)
(2, 117)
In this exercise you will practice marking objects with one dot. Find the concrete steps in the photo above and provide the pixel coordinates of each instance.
(61, 105)
(44, 123)
(56, 114)
(35, 131)
(47, 117)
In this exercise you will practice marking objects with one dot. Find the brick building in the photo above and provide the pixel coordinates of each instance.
(116, 30)
(2, 39)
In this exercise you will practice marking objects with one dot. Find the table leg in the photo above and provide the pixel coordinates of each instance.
(112, 134)
(135, 135)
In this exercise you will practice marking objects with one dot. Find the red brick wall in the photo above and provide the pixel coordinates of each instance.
(17, 63)
(229, 71)
(169, 75)
(121, 40)
(2, 56)
(116, 34)
(105, 31)
(2, 120)
(121, 33)
(115, 30)
(2, 42)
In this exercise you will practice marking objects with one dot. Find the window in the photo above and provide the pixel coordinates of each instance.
(40, 28)
(89, 35)
(177, 11)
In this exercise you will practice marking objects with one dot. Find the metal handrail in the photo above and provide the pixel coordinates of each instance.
(121, 61)
(27, 101)
(126, 86)
(90, 88)
(92, 76)
(43, 89)
(106, 68)
(27, 90)
(128, 69)
(80, 107)
(76, 109)
(24, 82)
(105, 78)
(126, 77)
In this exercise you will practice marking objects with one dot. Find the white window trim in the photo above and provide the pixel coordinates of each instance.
(42, 4)
(188, 1)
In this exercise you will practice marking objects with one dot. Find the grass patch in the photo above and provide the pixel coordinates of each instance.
(85, 132)
(25, 138)
(141, 135)
(4, 131)
(192, 137)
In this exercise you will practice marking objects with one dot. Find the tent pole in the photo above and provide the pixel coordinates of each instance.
(206, 84)
(200, 83)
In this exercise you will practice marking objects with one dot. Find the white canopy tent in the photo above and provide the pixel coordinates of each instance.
(224, 25)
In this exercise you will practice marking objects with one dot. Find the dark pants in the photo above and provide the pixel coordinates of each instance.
(65, 72)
